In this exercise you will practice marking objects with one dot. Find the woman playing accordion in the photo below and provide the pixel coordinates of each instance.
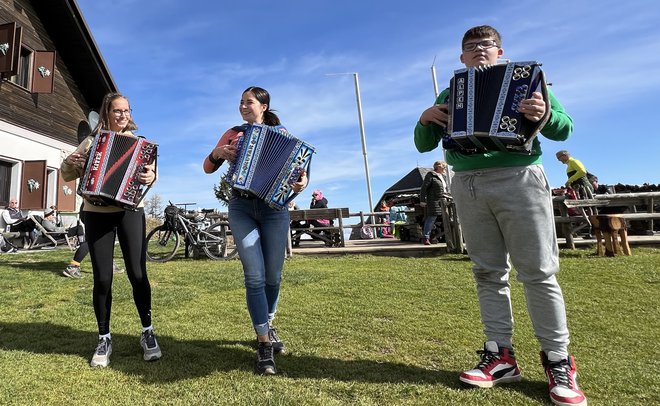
(260, 232)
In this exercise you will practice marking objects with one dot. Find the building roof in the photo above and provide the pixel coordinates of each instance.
(73, 40)
(409, 184)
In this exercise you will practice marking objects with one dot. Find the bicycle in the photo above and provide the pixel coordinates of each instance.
(205, 231)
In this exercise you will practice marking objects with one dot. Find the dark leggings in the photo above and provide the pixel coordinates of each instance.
(100, 235)
(83, 248)
(81, 252)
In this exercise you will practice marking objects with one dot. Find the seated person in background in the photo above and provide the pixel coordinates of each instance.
(382, 232)
(599, 189)
(17, 222)
(15, 219)
(319, 202)
(49, 222)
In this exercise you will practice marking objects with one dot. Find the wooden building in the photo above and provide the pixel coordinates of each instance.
(51, 76)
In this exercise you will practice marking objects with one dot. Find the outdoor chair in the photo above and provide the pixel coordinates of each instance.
(50, 239)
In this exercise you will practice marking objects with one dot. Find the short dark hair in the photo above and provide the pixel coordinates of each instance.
(482, 31)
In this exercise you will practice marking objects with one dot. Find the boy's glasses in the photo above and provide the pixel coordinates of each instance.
(485, 44)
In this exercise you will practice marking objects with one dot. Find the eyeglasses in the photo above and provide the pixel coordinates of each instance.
(484, 44)
(118, 112)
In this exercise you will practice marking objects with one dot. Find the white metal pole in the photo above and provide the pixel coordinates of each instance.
(435, 80)
(450, 173)
(363, 137)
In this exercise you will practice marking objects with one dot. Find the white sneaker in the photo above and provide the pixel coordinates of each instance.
(150, 346)
(562, 378)
(497, 366)
(101, 357)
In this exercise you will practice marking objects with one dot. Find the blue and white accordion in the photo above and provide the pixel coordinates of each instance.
(483, 107)
(268, 162)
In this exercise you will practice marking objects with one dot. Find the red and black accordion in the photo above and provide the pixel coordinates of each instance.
(268, 162)
(115, 160)
(483, 107)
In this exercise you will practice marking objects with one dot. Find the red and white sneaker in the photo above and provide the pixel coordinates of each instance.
(562, 378)
(497, 365)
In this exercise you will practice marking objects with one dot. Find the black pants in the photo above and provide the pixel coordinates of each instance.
(26, 225)
(100, 235)
(583, 188)
(83, 248)
(81, 252)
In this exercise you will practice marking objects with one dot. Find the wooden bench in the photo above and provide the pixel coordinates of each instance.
(332, 236)
(640, 216)
(573, 224)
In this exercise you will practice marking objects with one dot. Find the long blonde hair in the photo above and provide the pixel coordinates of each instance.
(104, 114)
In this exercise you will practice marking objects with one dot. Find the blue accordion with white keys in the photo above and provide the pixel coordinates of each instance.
(268, 162)
(483, 107)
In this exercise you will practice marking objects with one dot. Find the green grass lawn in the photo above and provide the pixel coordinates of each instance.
(361, 330)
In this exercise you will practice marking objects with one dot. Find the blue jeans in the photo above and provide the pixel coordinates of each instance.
(429, 221)
(260, 234)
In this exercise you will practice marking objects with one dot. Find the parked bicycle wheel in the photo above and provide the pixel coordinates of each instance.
(162, 244)
(217, 242)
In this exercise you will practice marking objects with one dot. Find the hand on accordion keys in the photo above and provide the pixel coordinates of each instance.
(76, 159)
(301, 184)
(148, 175)
(437, 113)
(533, 108)
(225, 152)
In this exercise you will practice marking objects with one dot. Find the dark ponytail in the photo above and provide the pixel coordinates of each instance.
(270, 118)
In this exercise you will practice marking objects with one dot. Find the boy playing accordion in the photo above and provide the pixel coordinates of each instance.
(504, 203)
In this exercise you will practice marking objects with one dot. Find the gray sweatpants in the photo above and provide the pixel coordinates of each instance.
(507, 218)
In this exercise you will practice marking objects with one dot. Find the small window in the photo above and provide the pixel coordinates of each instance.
(51, 184)
(7, 174)
(22, 78)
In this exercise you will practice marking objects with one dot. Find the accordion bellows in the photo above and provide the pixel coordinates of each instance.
(483, 106)
(114, 163)
(268, 161)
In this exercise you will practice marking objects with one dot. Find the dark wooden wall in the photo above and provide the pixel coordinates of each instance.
(55, 115)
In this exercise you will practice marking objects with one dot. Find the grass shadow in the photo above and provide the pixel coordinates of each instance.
(40, 265)
(187, 359)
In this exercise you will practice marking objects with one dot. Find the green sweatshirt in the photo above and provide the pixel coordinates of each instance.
(558, 128)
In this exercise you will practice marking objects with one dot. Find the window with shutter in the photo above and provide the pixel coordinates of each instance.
(23, 69)
(5, 182)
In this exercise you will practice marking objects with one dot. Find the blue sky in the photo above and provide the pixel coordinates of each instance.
(184, 64)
